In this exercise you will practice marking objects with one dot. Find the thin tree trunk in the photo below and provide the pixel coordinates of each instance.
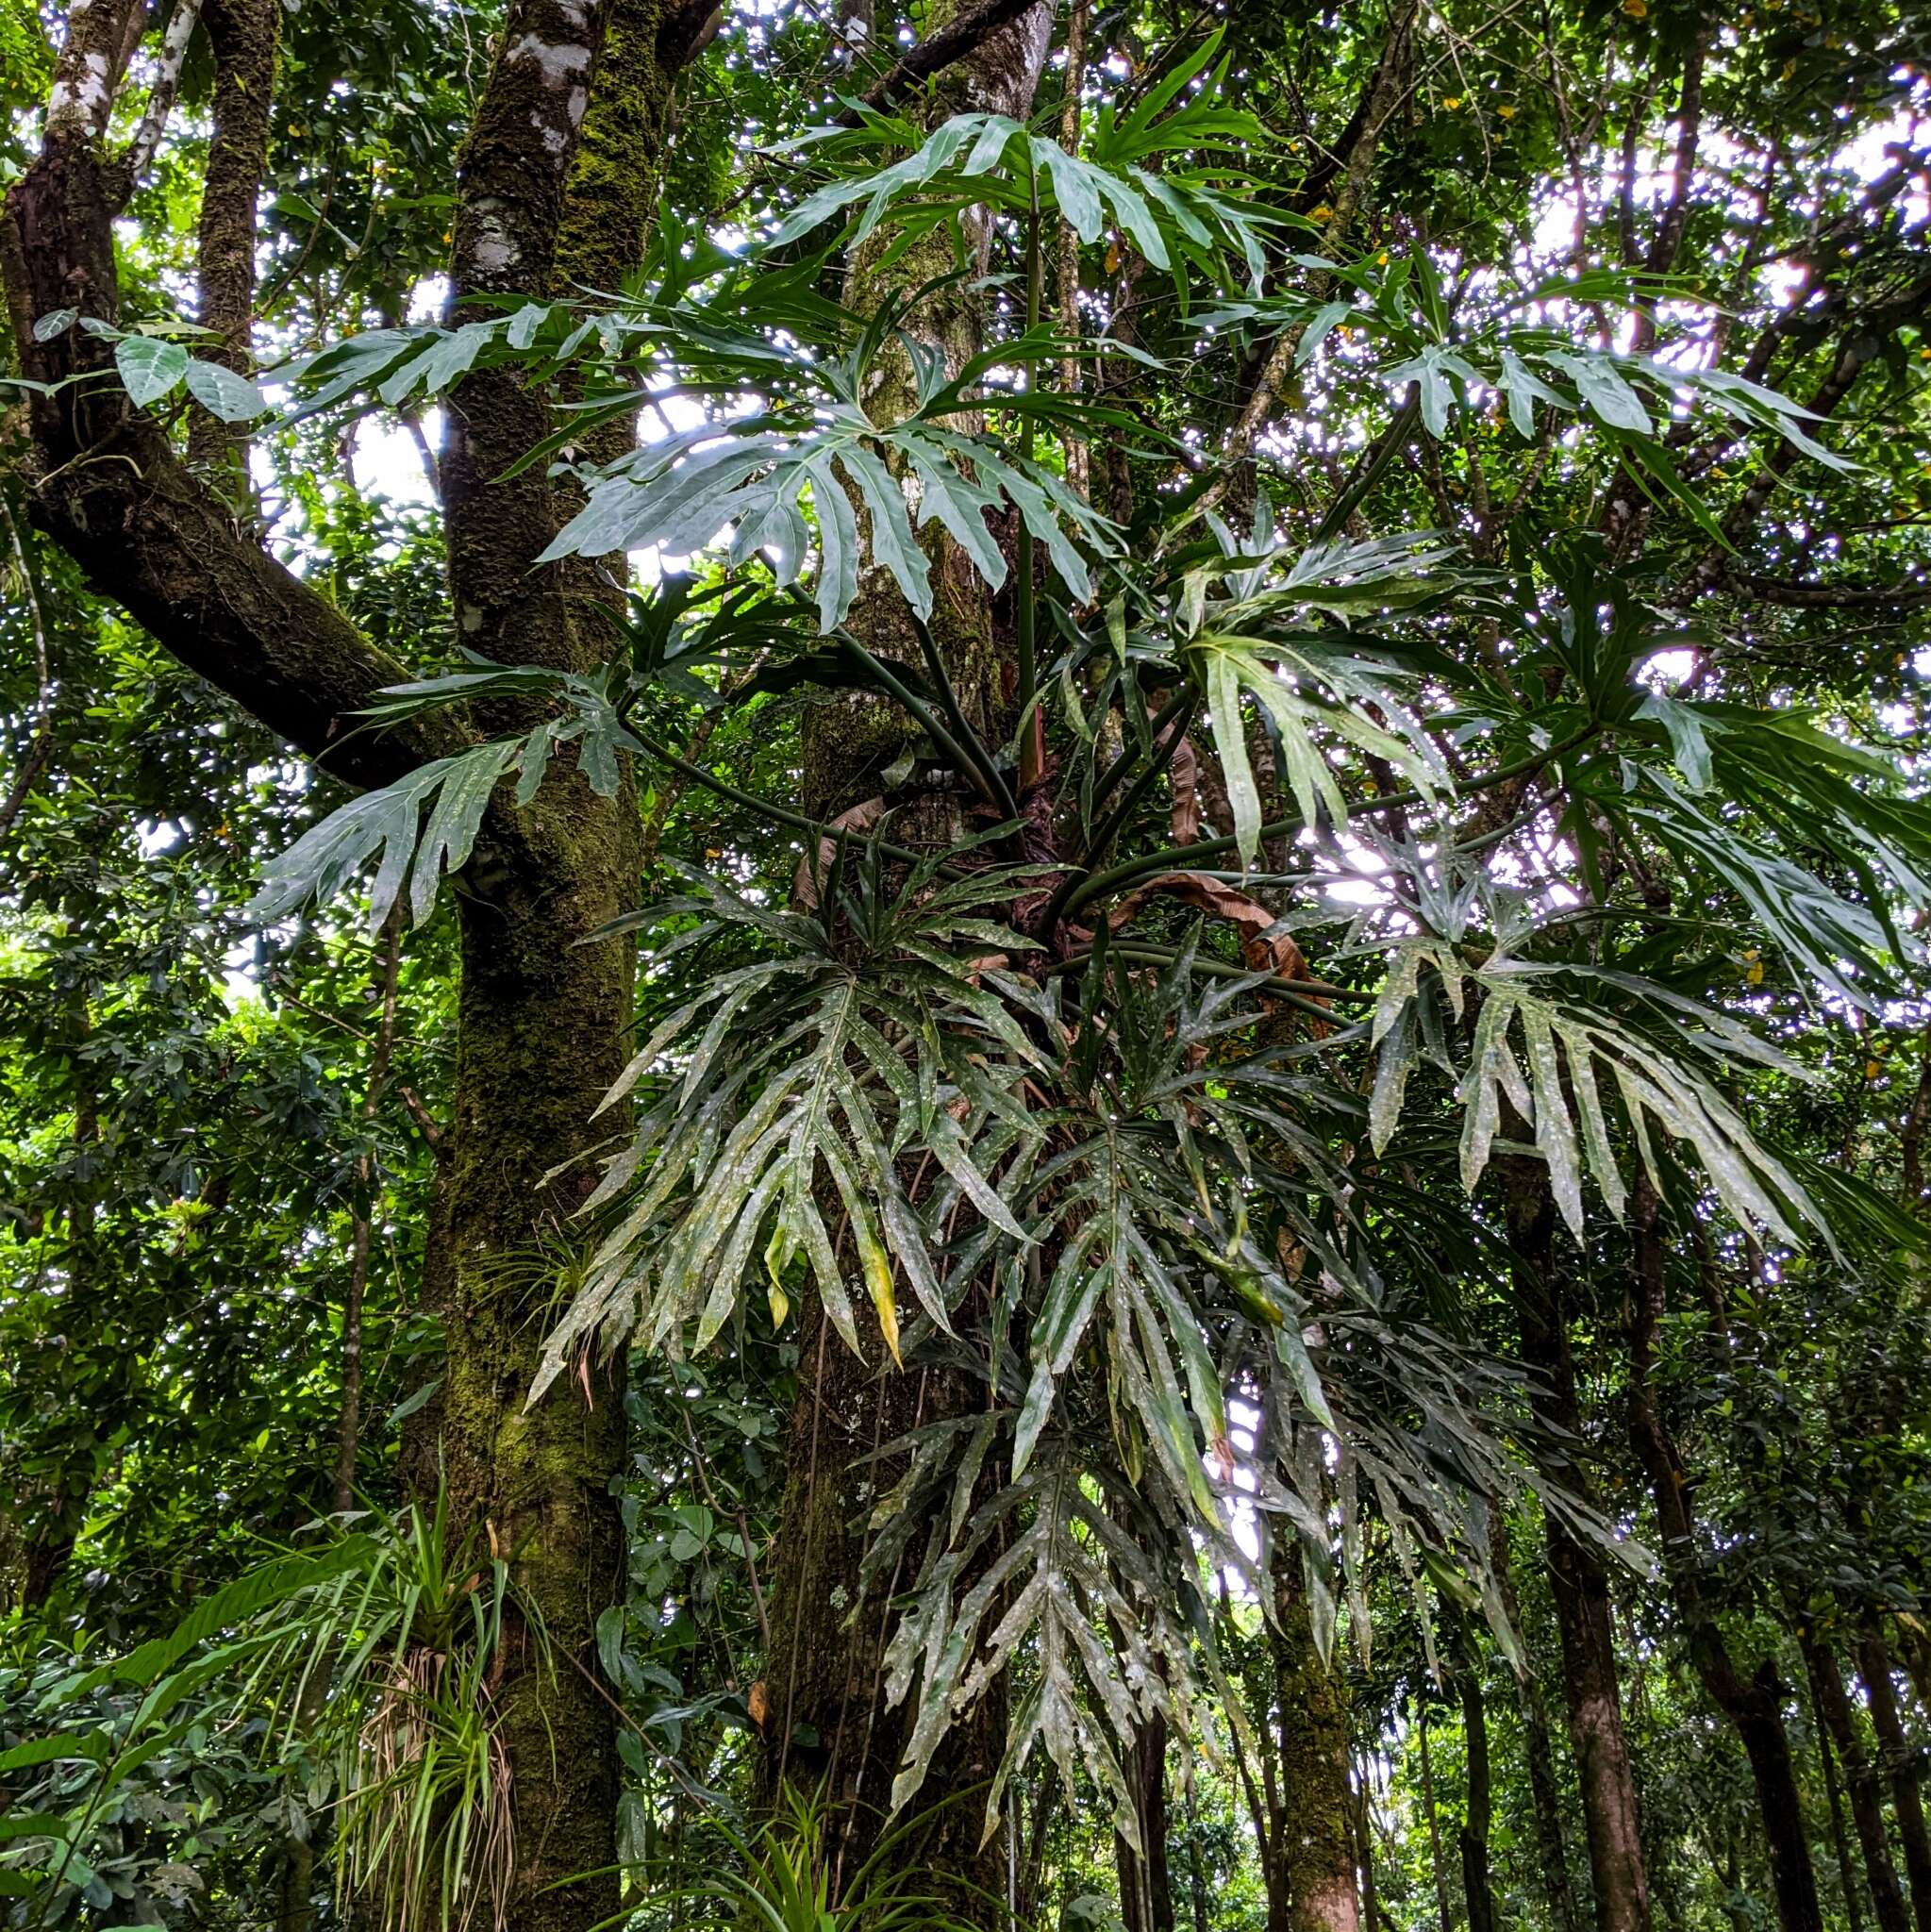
(1860, 1776)
(1146, 1897)
(1539, 1744)
(1900, 1761)
(1840, 1836)
(1364, 1853)
(1316, 1839)
(1263, 1801)
(1578, 1580)
(1437, 1865)
(1032, 1864)
(1197, 1877)
(1077, 461)
(243, 34)
(1754, 1705)
(1478, 1888)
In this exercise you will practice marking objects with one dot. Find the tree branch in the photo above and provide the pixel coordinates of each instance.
(1825, 596)
(107, 489)
(688, 28)
(243, 34)
(1383, 96)
(1668, 235)
(1861, 342)
(101, 35)
(160, 98)
(963, 34)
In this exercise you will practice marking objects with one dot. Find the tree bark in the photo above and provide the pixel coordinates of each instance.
(827, 1723)
(1901, 1762)
(1146, 1894)
(827, 1726)
(243, 34)
(1316, 1834)
(1754, 1705)
(1539, 1744)
(1197, 1877)
(149, 535)
(1266, 1812)
(543, 1016)
(543, 1013)
(1364, 1853)
(1577, 1577)
(1840, 1838)
(1472, 1840)
(1860, 1776)
(1913, 1642)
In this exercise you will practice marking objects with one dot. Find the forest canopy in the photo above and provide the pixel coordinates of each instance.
(965, 967)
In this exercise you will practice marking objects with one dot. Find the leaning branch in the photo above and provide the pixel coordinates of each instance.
(1798, 596)
(964, 34)
(148, 533)
(160, 97)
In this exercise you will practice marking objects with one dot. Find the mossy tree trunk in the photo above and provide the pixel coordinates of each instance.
(1316, 1833)
(556, 182)
(244, 35)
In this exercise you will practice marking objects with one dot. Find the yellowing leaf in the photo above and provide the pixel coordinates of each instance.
(878, 1280)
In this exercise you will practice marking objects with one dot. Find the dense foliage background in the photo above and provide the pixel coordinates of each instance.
(1207, 724)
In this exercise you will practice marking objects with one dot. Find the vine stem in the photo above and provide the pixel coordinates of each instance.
(1032, 755)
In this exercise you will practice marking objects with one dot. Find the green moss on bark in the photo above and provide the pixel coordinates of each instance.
(1317, 1841)
(612, 192)
(541, 1037)
(558, 185)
